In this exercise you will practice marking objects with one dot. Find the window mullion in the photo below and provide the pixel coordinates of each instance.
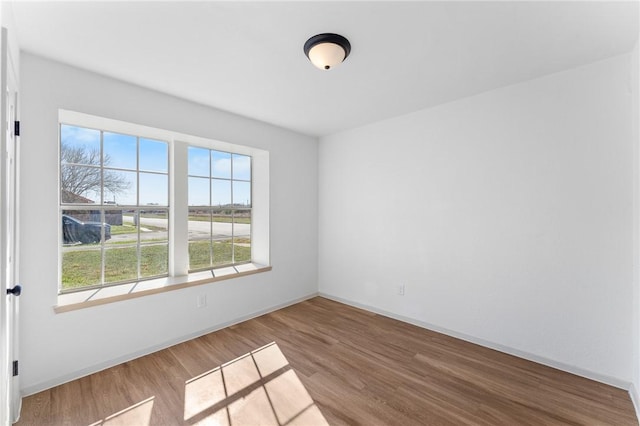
(212, 259)
(138, 249)
(233, 224)
(103, 251)
(178, 214)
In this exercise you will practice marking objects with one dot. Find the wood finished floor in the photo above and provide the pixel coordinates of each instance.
(358, 367)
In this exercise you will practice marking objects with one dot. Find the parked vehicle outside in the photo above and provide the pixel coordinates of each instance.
(76, 231)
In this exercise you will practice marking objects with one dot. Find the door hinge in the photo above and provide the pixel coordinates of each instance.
(16, 128)
(15, 368)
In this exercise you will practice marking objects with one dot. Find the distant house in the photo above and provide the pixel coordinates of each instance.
(70, 197)
(112, 217)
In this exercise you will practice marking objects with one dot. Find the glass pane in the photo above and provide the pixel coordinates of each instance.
(120, 151)
(154, 155)
(242, 236)
(242, 223)
(199, 162)
(83, 227)
(241, 167)
(129, 222)
(199, 254)
(154, 226)
(123, 230)
(241, 194)
(121, 264)
(199, 224)
(199, 238)
(222, 237)
(81, 266)
(154, 189)
(222, 223)
(79, 145)
(120, 188)
(222, 253)
(79, 184)
(221, 164)
(154, 260)
(220, 193)
(199, 191)
(242, 251)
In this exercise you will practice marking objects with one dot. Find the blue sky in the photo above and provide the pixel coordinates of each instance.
(121, 152)
(208, 169)
(215, 168)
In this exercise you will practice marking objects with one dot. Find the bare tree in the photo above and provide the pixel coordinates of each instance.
(79, 181)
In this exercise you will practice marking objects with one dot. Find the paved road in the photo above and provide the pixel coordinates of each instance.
(197, 229)
(151, 235)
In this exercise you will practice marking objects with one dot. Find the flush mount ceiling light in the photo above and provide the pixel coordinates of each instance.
(326, 51)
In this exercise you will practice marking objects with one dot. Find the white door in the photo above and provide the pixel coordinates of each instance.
(9, 289)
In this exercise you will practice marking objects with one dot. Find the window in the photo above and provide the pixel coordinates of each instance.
(114, 200)
(219, 208)
(143, 208)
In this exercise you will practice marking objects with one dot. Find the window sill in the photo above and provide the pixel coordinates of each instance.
(95, 297)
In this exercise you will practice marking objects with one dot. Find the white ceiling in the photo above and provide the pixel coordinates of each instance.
(247, 57)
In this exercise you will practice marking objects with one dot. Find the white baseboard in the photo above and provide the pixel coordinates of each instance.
(496, 346)
(635, 398)
(39, 387)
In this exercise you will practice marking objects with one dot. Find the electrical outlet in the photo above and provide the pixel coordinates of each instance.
(400, 289)
(201, 301)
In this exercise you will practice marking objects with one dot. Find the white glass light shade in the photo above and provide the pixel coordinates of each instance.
(326, 55)
(327, 50)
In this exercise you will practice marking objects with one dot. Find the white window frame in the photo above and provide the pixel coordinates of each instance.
(102, 206)
(210, 207)
(179, 275)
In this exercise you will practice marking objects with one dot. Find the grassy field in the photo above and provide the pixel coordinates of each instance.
(199, 253)
(123, 229)
(81, 268)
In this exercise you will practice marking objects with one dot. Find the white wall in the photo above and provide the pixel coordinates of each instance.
(58, 347)
(507, 215)
(8, 22)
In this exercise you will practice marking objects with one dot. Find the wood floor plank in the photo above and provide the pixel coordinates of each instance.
(356, 366)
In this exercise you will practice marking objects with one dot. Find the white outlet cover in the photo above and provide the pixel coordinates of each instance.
(202, 301)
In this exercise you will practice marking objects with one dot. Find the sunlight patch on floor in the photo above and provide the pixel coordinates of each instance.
(257, 388)
(137, 414)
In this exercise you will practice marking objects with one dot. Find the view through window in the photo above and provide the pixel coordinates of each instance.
(219, 208)
(114, 195)
(119, 224)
